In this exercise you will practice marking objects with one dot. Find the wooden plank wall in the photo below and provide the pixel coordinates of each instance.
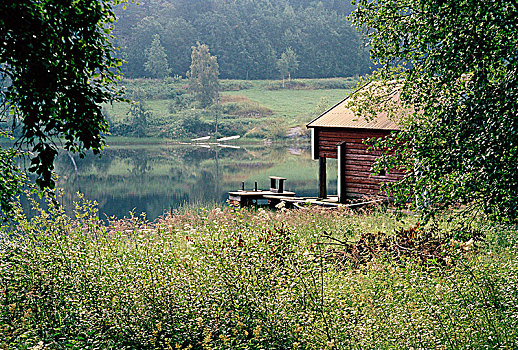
(358, 161)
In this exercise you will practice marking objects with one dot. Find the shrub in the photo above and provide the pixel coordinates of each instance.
(247, 109)
(230, 127)
(195, 126)
(153, 89)
(238, 279)
(235, 85)
(334, 83)
(293, 84)
(80, 284)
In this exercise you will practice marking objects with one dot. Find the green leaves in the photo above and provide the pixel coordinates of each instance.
(12, 178)
(156, 63)
(61, 67)
(203, 75)
(457, 63)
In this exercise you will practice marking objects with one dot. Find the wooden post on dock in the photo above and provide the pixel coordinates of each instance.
(322, 177)
(277, 187)
(340, 184)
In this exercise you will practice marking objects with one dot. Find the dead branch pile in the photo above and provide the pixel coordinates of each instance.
(421, 246)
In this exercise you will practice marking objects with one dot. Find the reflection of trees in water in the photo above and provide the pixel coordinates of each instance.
(64, 166)
(204, 186)
(158, 178)
(195, 155)
(153, 205)
(140, 163)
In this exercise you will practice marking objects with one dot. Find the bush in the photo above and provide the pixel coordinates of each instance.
(194, 126)
(180, 101)
(293, 84)
(247, 109)
(300, 84)
(77, 283)
(153, 89)
(238, 279)
(231, 128)
(235, 85)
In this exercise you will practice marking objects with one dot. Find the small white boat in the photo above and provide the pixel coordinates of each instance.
(229, 138)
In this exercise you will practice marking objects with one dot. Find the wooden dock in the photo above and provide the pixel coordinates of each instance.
(329, 202)
(246, 198)
(276, 195)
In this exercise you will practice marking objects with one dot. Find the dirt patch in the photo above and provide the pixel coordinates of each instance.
(242, 106)
(235, 99)
(297, 132)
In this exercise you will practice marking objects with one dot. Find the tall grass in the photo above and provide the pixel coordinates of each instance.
(225, 278)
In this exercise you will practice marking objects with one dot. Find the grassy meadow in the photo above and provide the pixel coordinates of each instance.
(293, 107)
(259, 109)
(226, 278)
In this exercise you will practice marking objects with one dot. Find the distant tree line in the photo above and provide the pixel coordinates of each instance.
(247, 36)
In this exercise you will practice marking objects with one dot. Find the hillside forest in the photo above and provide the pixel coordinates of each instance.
(247, 36)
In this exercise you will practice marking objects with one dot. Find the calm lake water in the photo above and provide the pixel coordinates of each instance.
(157, 178)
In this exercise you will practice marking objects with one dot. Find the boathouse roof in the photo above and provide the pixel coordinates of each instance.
(341, 115)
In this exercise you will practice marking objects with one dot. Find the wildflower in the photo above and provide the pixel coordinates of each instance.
(27, 313)
(257, 331)
(468, 245)
(224, 338)
(207, 339)
(38, 346)
(281, 205)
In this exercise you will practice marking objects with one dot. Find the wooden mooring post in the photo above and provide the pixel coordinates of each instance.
(244, 198)
(274, 187)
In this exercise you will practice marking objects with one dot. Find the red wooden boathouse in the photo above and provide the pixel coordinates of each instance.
(340, 133)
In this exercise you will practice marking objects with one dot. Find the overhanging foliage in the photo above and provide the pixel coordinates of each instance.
(457, 61)
(60, 64)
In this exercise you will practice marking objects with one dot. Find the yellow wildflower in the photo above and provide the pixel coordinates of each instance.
(257, 331)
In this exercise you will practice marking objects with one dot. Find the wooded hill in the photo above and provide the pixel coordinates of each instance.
(247, 36)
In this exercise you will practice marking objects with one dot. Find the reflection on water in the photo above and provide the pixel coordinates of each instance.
(158, 178)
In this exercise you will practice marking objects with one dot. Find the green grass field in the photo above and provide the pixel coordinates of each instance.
(292, 107)
(253, 109)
